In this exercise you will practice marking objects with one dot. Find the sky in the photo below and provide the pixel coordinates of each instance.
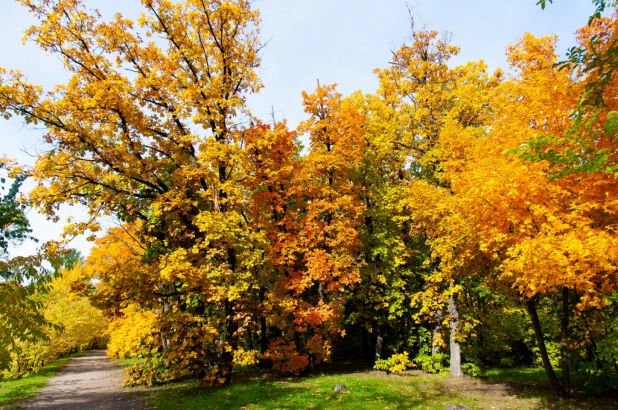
(333, 41)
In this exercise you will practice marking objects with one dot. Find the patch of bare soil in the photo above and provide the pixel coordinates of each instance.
(92, 381)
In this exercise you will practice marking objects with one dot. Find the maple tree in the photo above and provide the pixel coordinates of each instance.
(539, 235)
(147, 132)
(320, 251)
(273, 162)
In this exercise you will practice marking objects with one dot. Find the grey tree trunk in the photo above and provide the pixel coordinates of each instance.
(453, 308)
(379, 343)
(437, 331)
(165, 342)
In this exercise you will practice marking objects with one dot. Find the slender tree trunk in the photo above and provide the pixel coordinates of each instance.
(223, 376)
(564, 346)
(250, 337)
(536, 325)
(165, 342)
(226, 355)
(263, 327)
(437, 333)
(311, 363)
(453, 309)
(379, 342)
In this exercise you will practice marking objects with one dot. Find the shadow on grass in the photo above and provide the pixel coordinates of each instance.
(257, 374)
(531, 383)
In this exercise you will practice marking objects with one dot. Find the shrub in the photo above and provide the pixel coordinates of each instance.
(150, 373)
(397, 363)
(471, 369)
(432, 364)
(133, 335)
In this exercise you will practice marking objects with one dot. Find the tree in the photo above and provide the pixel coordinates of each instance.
(435, 102)
(149, 131)
(546, 238)
(274, 213)
(321, 252)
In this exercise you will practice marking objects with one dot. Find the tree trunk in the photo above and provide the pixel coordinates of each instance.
(453, 309)
(165, 342)
(437, 332)
(223, 376)
(564, 346)
(536, 324)
(263, 326)
(379, 342)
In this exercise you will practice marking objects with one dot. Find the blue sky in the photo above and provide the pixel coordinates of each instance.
(333, 41)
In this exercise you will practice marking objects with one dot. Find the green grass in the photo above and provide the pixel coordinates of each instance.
(128, 362)
(13, 391)
(255, 389)
(368, 390)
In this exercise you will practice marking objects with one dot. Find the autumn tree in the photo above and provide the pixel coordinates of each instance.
(273, 211)
(434, 102)
(391, 258)
(148, 131)
(539, 236)
(321, 255)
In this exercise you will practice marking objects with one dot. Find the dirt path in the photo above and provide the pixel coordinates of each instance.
(92, 381)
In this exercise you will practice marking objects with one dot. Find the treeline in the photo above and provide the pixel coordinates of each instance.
(455, 217)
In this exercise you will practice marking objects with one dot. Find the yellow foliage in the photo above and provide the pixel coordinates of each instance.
(134, 334)
(246, 357)
(73, 324)
(82, 326)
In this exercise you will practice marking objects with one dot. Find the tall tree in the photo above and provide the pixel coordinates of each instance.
(150, 131)
(434, 102)
(540, 236)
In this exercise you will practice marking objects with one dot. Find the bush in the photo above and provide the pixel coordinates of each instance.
(150, 373)
(432, 364)
(135, 334)
(397, 363)
(471, 369)
(30, 358)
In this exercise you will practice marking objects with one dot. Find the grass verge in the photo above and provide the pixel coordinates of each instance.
(14, 391)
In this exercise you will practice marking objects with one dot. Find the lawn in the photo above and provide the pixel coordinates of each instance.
(13, 391)
(370, 390)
